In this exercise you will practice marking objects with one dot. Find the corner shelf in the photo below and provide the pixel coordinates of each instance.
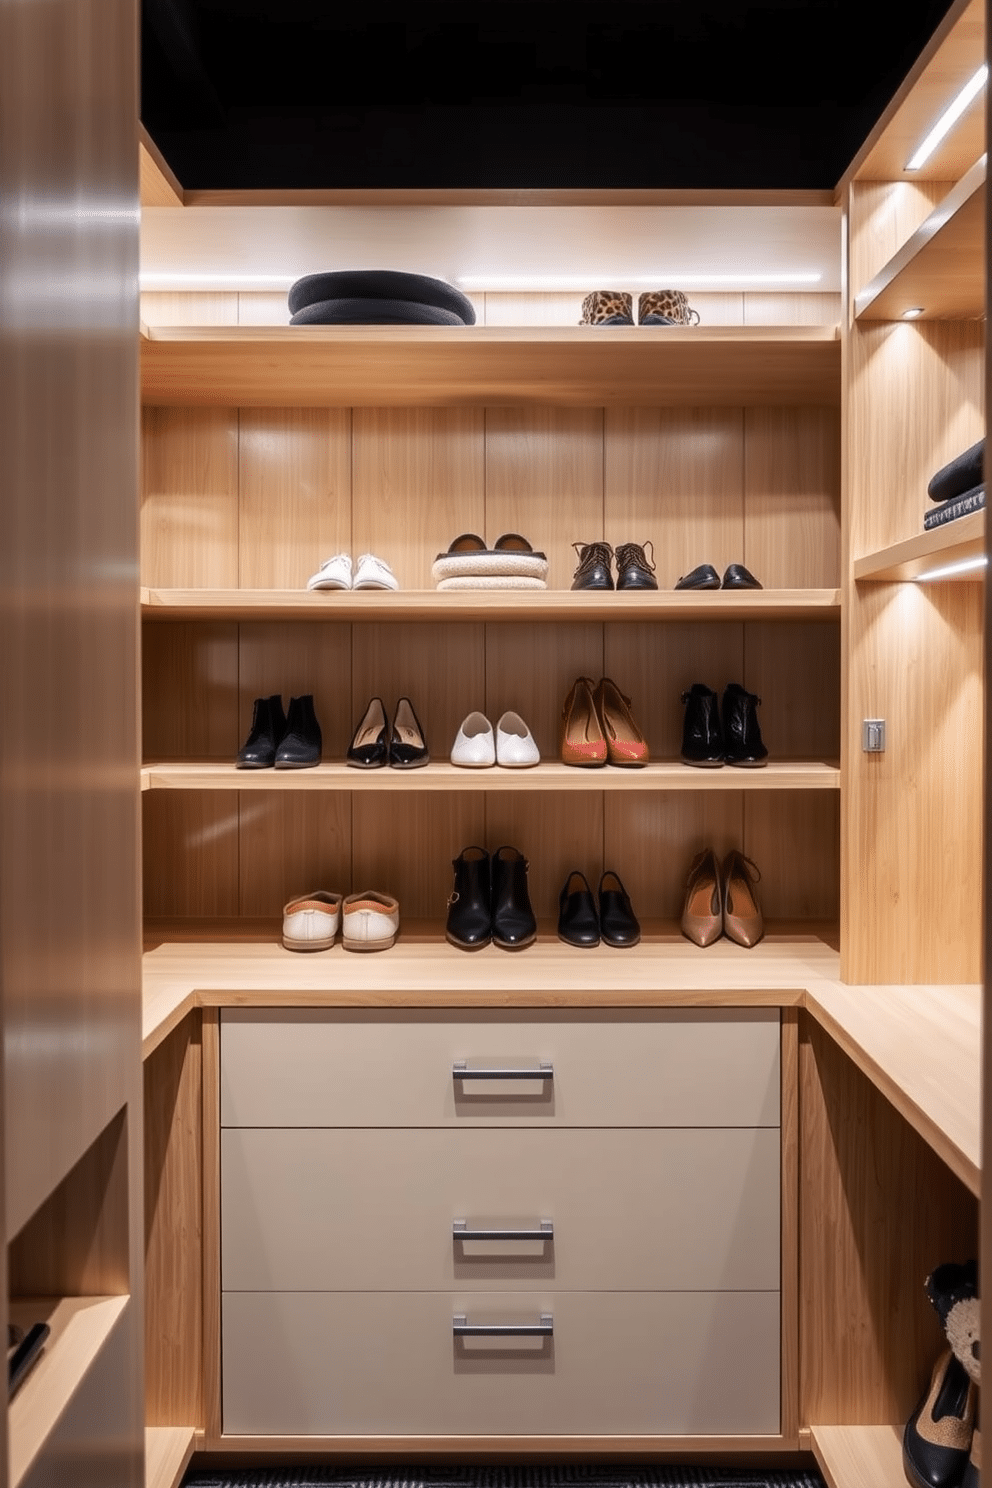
(488, 605)
(860, 1456)
(954, 542)
(168, 1450)
(406, 366)
(669, 775)
(941, 268)
(80, 1327)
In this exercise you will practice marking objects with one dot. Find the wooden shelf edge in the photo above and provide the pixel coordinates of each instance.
(380, 338)
(168, 1450)
(716, 1449)
(80, 1328)
(967, 194)
(859, 1456)
(953, 542)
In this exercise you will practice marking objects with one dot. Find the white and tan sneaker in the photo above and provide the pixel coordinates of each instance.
(333, 573)
(374, 573)
(370, 921)
(311, 922)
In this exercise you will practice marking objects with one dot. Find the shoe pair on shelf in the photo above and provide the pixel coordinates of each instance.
(582, 923)
(655, 307)
(941, 1447)
(598, 727)
(336, 573)
(634, 569)
(374, 744)
(511, 563)
(736, 576)
(490, 901)
(477, 746)
(369, 921)
(287, 741)
(722, 901)
(709, 741)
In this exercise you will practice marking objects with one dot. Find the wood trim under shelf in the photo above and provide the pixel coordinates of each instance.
(669, 775)
(80, 1327)
(489, 606)
(168, 1450)
(940, 269)
(953, 542)
(406, 366)
(860, 1456)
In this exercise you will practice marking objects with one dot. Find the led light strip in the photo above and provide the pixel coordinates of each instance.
(949, 118)
(967, 565)
(684, 278)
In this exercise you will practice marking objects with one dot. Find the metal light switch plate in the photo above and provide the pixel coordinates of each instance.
(873, 735)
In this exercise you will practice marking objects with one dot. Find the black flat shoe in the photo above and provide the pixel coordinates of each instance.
(634, 569)
(741, 735)
(514, 925)
(702, 736)
(470, 921)
(703, 577)
(407, 745)
(739, 577)
(268, 724)
(594, 568)
(938, 1437)
(299, 748)
(617, 921)
(578, 922)
(369, 748)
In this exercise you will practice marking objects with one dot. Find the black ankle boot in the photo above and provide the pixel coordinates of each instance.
(741, 734)
(470, 920)
(514, 925)
(268, 724)
(300, 746)
(702, 737)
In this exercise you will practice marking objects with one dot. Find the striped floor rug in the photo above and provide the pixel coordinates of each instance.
(507, 1477)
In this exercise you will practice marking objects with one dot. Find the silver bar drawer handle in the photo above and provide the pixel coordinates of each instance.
(544, 1231)
(461, 1071)
(462, 1328)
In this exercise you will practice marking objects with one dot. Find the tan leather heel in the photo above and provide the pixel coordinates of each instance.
(582, 740)
(625, 744)
(702, 913)
(742, 918)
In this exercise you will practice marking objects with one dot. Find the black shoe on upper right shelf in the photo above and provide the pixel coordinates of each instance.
(634, 569)
(594, 567)
(739, 577)
(743, 744)
(703, 577)
(702, 736)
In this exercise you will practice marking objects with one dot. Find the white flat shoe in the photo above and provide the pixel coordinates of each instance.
(374, 573)
(333, 573)
(370, 921)
(310, 923)
(515, 747)
(474, 746)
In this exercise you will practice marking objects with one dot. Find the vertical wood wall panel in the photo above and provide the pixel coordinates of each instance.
(793, 837)
(190, 843)
(289, 845)
(405, 845)
(189, 693)
(652, 839)
(792, 497)
(189, 498)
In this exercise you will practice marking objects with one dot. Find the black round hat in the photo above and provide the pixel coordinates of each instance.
(374, 312)
(380, 284)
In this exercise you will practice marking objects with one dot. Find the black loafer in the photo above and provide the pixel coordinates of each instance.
(739, 577)
(743, 744)
(703, 577)
(634, 569)
(470, 921)
(578, 922)
(702, 736)
(617, 921)
(593, 572)
(514, 925)
(299, 747)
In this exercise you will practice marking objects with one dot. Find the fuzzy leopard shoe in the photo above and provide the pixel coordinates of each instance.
(608, 307)
(665, 307)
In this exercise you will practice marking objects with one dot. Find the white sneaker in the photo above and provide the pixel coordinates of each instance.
(515, 746)
(374, 573)
(311, 923)
(335, 573)
(370, 921)
(474, 745)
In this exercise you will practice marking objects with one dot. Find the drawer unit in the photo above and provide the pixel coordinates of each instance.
(478, 1223)
(630, 1363)
(671, 1067)
(332, 1210)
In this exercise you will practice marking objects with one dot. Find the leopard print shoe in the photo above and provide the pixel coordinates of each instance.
(665, 307)
(608, 307)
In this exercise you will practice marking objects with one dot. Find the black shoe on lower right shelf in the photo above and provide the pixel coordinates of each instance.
(618, 923)
(743, 744)
(299, 748)
(937, 1440)
(702, 735)
(514, 925)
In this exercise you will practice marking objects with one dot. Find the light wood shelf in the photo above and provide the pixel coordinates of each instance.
(669, 775)
(954, 542)
(860, 1456)
(941, 268)
(486, 605)
(168, 1450)
(80, 1327)
(406, 366)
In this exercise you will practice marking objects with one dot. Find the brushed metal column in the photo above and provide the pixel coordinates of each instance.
(69, 800)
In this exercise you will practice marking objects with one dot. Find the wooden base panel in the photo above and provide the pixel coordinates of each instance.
(860, 1456)
(168, 1452)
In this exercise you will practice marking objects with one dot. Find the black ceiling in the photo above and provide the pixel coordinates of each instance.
(710, 94)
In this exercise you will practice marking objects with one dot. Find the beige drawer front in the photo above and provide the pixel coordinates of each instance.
(627, 1363)
(673, 1067)
(312, 1210)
